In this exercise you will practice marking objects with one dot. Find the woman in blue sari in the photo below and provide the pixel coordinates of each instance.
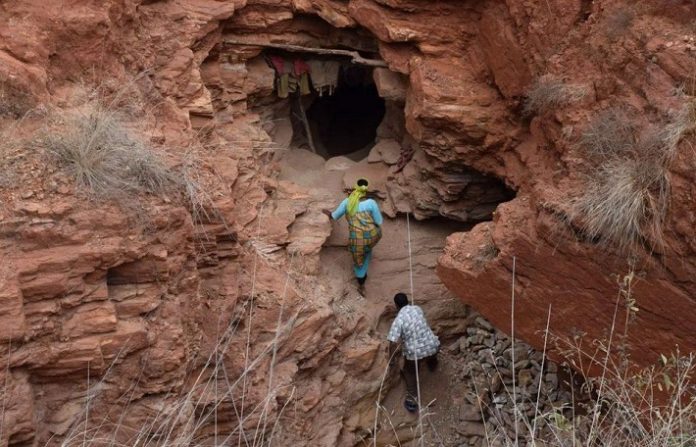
(364, 227)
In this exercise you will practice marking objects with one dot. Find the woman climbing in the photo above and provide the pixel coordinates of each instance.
(364, 227)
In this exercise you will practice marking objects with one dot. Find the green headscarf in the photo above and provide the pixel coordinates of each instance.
(354, 198)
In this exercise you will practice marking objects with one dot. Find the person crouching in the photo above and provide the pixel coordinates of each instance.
(420, 345)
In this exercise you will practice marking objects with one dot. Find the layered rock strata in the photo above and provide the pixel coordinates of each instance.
(97, 308)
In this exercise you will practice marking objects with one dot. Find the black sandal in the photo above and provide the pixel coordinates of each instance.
(361, 285)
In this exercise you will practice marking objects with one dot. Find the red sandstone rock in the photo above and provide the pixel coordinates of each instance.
(390, 85)
(83, 289)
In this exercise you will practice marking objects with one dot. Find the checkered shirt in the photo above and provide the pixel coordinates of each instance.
(412, 328)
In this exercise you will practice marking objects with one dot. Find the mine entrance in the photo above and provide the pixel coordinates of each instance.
(345, 122)
(331, 104)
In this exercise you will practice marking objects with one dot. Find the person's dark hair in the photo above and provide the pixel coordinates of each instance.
(362, 182)
(401, 300)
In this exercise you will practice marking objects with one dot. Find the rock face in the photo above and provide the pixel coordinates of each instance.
(103, 313)
(549, 164)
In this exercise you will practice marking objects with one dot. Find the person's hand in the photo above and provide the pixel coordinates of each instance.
(327, 212)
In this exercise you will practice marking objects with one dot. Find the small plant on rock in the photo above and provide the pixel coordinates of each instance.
(627, 195)
(625, 203)
(608, 135)
(99, 147)
(487, 252)
(618, 22)
(548, 94)
(14, 103)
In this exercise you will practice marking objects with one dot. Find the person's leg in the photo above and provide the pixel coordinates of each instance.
(409, 373)
(361, 272)
(431, 361)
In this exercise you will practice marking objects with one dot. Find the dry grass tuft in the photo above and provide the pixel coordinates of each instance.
(651, 407)
(199, 201)
(99, 147)
(14, 103)
(608, 135)
(618, 22)
(11, 152)
(626, 199)
(625, 203)
(99, 141)
(681, 124)
(486, 253)
(548, 94)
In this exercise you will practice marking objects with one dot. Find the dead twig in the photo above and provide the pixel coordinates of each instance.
(356, 58)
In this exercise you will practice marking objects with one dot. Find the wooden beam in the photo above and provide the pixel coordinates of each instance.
(305, 122)
(356, 58)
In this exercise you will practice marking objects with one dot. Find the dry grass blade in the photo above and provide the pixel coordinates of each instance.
(378, 401)
(629, 411)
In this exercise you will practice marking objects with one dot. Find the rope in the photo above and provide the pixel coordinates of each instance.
(410, 260)
(512, 337)
(251, 314)
(415, 361)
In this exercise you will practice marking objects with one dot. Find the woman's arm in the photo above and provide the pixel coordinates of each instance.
(340, 211)
(376, 214)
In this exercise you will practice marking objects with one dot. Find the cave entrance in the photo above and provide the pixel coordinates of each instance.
(346, 121)
(329, 104)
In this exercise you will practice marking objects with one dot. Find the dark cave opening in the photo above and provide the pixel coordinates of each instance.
(345, 123)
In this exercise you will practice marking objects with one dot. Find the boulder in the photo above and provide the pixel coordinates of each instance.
(390, 85)
(339, 163)
(389, 150)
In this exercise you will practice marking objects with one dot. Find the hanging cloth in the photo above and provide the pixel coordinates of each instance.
(324, 75)
(301, 71)
(292, 80)
(291, 76)
(283, 71)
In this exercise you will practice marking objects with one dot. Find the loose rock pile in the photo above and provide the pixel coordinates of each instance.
(498, 391)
